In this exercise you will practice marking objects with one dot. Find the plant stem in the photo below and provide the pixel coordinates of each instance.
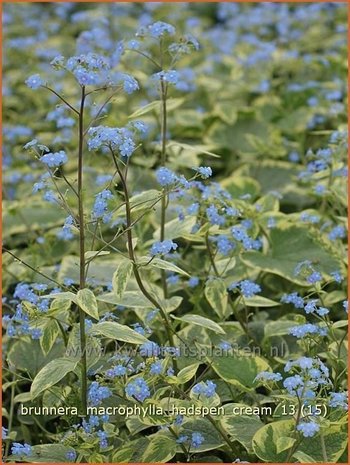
(83, 360)
(133, 259)
(324, 450)
(11, 412)
(163, 161)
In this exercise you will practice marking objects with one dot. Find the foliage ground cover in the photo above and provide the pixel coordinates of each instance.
(174, 232)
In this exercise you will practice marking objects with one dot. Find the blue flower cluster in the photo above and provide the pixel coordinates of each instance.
(194, 441)
(308, 330)
(97, 393)
(100, 208)
(21, 449)
(206, 389)
(53, 160)
(268, 376)
(247, 288)
(138, 389)
(163, 247)
(120, 139)
(308, 428)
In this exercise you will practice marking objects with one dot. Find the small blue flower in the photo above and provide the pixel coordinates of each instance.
(159, 29)
(53, 160)
(268, 376)
(206, 389)
(34, 81)
(308, 429)
(138, 389)
(338, 399)
(165, 176)
(171, 76)
(71, 455)
(196, 440)
(156, 368)
(97, 393)
(21, 449)
(193, 281)
(164, 247)
(204, 171)
(338, 232)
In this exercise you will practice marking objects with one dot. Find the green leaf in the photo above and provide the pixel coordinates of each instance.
(161, 264)
(242, 429)
(176, 228)
(51, 374)
(303, 458)
(28, 356)
(172, 104)
(131, 452)
(160, 449)
(216, 294)
(116, 331)
(266, 438)
(335, 441)
(240, 368)
(260, 301)
(287, 249)
(130, 299)
(278, 328)
(187, 373)
(47, 453)
(201, 321)
(87, 302)
(121, 277)
(284, 443)
(212, 439)
(50, 334)
(196, 149)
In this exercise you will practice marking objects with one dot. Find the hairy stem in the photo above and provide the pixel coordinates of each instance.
(133, 259)
(163, 207)
(82, 276)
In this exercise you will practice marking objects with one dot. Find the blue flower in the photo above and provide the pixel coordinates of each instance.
(21, 449)
(149, 349)
(53, 160)
(308, 429)
(248, 288)
(294, 299)
(214, 217)
(307, 329)
(204, 171)
(118, 370)
(165, 176)
(159, 28)
(71, 455)
(193, 281)
(268, 376)
(34, 81)
(97, 393)
(138, 389)
(338, 232)
(156, 368)
(206, 389)
(100, 206)
(164, 247)
(196, 440)
(120, 139)
(4, 432)
(338, 399)
(224, 245)
(171, 76)
(314, 277)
